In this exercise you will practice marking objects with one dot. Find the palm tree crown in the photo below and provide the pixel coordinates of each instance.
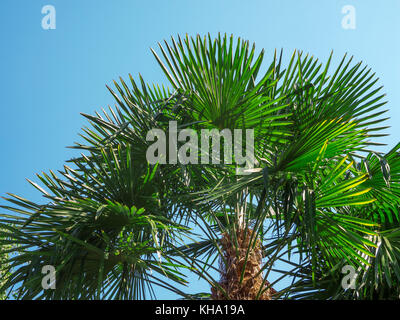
(318, 199)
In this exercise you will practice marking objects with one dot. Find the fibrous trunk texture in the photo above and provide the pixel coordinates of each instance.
(231, 271)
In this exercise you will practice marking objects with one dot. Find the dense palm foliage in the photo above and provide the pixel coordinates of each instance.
(116, 226)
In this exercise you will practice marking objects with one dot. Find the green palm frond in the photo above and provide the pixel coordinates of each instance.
(97, 221)
(221, 77)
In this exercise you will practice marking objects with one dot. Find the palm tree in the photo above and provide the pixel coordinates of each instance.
(114, 225)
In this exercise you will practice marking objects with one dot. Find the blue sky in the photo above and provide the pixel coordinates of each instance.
(49, 76)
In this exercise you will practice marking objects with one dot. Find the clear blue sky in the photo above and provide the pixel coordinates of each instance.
(49, 76)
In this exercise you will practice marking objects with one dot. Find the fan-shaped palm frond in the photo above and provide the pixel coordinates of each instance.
(106, 220)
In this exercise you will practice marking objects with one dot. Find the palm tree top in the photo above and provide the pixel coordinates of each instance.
(116, 226)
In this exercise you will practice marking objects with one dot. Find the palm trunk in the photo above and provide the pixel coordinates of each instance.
(232, 270)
